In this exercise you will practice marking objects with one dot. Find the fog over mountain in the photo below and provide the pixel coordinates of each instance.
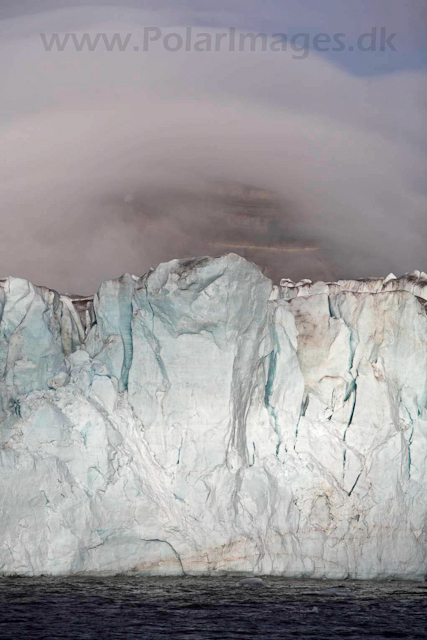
(115, 161)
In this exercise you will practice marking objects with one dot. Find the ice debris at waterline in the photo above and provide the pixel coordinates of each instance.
(200, 419)
(251, 582)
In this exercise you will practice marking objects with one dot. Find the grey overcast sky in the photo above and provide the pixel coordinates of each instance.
(110, 158)
(406, 18)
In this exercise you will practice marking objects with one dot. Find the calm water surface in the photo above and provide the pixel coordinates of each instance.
(135, 607)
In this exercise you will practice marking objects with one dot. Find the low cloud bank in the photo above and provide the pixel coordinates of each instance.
(111, 161)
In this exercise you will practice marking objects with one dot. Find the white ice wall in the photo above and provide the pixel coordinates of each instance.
(199, 420)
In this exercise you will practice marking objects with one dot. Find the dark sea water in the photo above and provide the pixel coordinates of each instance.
(136, 607)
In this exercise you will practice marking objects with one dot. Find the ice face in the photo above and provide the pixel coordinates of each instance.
(200, 420)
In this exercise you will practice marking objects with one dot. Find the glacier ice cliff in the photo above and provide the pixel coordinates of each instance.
(200, 420)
